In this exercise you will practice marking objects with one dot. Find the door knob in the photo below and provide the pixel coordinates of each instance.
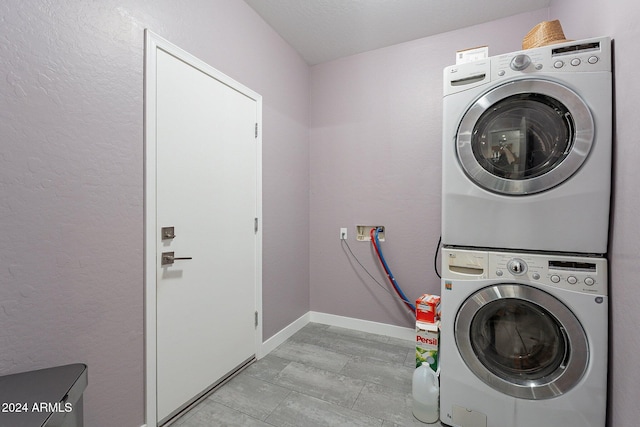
(168, 258)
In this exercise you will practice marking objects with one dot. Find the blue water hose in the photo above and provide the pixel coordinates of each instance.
(390, 274)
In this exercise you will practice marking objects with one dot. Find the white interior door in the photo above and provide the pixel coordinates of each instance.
(206, 187)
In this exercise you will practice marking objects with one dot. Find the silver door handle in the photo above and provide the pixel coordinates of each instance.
(168, 258)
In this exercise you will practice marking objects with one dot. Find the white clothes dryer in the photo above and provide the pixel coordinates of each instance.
(523, 339)
(527, 149)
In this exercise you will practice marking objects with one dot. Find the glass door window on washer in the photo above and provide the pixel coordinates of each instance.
(524, 137)
(521, 341)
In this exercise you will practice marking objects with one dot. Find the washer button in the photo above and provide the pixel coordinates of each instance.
(572, 280)
(558, 64)
(538, 66)
(499, 273)
(555, 278)
(535, 276)
(589, 281)
(593, 59)
(575, 62)
(501, 73)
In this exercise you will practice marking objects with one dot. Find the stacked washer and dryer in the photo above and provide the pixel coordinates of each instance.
(525, 222)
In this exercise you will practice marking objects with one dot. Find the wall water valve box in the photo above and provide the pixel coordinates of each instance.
(427, 344)
(428, 308)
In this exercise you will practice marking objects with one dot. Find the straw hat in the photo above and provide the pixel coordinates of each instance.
(543, 34)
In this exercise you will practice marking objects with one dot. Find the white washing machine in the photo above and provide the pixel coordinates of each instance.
(523, 339)
(527, 149)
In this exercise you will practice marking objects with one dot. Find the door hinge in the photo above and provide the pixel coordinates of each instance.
(255, 225)
(256, 130)
(256, 319)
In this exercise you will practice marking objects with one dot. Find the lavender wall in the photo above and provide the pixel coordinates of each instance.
(619, 19)
(71, 176)
(375, 136)
(71, 179)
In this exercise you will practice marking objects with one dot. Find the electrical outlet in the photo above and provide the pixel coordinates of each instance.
(343, 234)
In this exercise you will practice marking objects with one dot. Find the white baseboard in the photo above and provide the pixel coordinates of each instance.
(269, 345)
(364, 325)
(400, 332)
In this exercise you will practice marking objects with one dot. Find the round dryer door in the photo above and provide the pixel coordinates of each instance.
(524, 137)
(521, 341)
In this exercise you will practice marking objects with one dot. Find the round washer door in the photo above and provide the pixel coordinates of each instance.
(521, 341)
(524, 137)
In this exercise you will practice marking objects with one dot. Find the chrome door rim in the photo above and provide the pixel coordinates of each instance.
(583, 138)
(562, 380)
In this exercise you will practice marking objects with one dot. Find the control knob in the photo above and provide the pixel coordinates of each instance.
(520, 62)
(517, 267)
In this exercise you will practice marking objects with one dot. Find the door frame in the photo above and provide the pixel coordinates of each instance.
(153, 42)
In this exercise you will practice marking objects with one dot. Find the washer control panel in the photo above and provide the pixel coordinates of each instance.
(582, 274)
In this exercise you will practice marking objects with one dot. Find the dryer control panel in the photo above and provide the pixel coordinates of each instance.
(584, 55)
(589, 55)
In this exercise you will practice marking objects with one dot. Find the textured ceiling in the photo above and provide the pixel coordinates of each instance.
(323, 30)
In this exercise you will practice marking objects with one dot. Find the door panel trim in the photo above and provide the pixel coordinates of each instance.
(153, 43)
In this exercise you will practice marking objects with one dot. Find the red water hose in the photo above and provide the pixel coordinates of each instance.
(386, 270)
